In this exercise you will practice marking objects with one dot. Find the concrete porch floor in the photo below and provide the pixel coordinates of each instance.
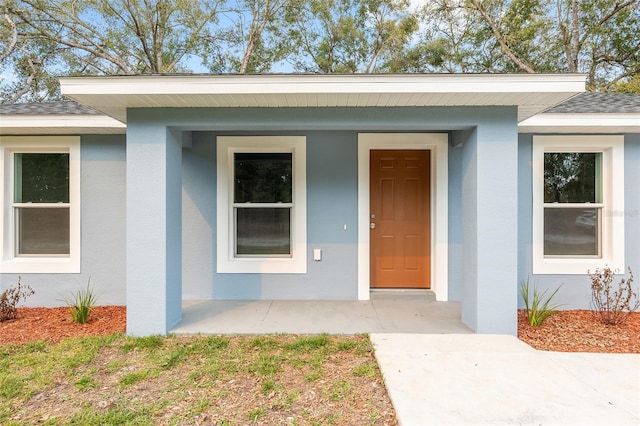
(386, 312)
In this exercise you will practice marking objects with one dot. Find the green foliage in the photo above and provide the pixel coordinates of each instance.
(146, 342)
(612, 307)
(307, 343)
(539, 307)
(366, 369)
(135, 377)
(631, 85)
(81, 303)
(10, 298)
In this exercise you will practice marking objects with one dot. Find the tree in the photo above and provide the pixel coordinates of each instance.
(253, 40)
(104, 37)
(596, 37)
(23, 61)
(349, 36)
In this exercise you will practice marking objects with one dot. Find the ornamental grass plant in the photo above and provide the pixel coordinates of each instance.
(81, 303)
(538, 305)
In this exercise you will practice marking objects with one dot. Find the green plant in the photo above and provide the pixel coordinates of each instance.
(612, 307)
(10, 298)
(81, 303)
(538, 305)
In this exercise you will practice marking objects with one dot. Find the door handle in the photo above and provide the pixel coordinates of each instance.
(372, 225)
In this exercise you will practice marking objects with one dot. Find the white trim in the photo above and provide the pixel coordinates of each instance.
(70, 120)
(612, 149)
(570, 123)
(226, 261)
(323, 84)
(24, 264)
(438, 144)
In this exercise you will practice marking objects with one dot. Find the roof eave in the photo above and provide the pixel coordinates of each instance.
(531, 93)
(21, 124)
(582, 123)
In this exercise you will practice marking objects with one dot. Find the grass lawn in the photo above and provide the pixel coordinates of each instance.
(218, 380)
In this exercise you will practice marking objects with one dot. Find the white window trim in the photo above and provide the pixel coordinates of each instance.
(438, 144)
(226, 261)
(612, 235)
(34, 265)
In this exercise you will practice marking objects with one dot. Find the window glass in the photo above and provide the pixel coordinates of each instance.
(42, 231)
(41, 178)
(571, 231)
(262, 177)
(263, 231)
(572, 177)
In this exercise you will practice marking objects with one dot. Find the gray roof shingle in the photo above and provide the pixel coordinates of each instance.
(599, 103)
(48, 108)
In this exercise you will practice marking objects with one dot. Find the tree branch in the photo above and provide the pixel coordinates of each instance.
(500, 38)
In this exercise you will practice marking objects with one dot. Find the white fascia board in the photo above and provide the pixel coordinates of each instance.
(581, 123)
(93, 123)
(324, 83)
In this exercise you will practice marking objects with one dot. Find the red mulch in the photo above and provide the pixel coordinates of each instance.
(55, 324)
(580, 331)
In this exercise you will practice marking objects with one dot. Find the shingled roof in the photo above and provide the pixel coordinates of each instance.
(599, 103)
(55, 118)
(48, 108)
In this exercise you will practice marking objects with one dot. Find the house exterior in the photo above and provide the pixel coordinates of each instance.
(319, 187)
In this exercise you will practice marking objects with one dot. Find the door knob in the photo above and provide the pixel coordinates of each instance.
(372, 225)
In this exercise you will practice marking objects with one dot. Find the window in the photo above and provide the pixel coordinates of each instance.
(261, 204)
(40, 204)
(578, 202)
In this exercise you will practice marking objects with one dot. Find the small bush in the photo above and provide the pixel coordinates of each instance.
(10, 298)
(81, 303)
(539, 307)
(612, 307)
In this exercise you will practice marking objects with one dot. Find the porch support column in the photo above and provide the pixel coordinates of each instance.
(154, 227)
(489, 218)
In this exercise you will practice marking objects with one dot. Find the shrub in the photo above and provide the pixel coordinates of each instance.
(81, 303)
(539, 307)
(10, 298)
(612, 307)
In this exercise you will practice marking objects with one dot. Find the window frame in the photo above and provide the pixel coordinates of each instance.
(227, 261)
(611, 233)
(11, 262)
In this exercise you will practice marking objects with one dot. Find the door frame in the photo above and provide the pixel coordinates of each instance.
(438, 144)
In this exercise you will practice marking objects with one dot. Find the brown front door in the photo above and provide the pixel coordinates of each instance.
(400, 219)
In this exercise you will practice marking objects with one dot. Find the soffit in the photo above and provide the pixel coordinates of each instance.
(531, 93)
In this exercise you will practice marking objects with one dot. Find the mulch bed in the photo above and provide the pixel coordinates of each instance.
(566, 331)
(580, 331)
(55, 324)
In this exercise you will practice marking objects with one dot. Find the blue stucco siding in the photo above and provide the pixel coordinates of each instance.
(331, 204)
(102, 185)
(576, 289)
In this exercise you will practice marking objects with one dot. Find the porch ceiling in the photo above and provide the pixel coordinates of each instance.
(531, 93)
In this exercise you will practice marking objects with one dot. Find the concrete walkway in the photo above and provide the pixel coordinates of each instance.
(499, 380)
(437, 371)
